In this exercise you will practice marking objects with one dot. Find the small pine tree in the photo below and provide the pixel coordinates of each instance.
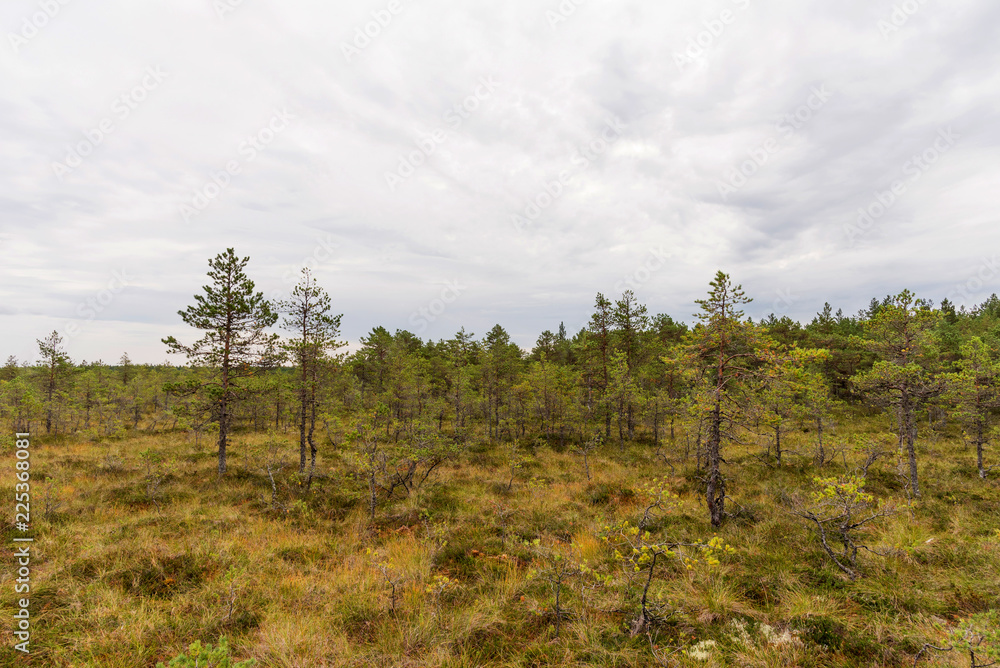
(975, 392)
(900, 333)
(234, 318)
(307, 315)
(56, 362)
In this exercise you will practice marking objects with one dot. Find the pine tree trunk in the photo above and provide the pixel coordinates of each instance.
(224, 411)
(656, 426)
(715, 492)
(303, 410)
(911, 451)
(979, 450)
(223, 434)
(777, 443)
(820, 452)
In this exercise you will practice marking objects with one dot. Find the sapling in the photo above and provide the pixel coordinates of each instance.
(556, 568)
(659, 499)
(501, 514)
(389, 575)
(515, 461)
(365, 455)
(437, 587)
(272, 463)
(975, 392)
(979, 636)
(51, 503)
(585, 449)
(639, 552)
(206, 656)
(435, 533)
(840, 511)
(233, 581)
(155, 473)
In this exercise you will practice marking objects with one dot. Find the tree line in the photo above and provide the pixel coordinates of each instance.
(401, 405)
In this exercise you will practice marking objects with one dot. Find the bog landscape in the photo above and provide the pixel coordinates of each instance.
(652, 490)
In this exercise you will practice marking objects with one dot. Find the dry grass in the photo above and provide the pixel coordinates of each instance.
(123, 580)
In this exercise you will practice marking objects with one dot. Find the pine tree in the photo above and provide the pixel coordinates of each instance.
(236, 343)
(722, 348)
(975, 391)
(10, 369)
(56, 362)
(900, 334)
(461, 351)
(315, 330)
(600, 326)
(501, 360)
(630, 320)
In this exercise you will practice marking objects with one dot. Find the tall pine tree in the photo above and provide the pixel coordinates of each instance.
(315, 331)
(236, 343)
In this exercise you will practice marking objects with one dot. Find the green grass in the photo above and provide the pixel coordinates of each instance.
(119, 579)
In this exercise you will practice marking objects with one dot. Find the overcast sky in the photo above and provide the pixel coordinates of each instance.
(489, 162)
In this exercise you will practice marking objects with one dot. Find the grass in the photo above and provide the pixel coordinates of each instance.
(120, 579)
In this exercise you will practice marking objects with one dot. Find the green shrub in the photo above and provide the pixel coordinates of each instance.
(206, 657)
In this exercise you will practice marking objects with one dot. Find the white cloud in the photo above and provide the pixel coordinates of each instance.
(782, 233)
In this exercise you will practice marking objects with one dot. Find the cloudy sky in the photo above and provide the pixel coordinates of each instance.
(464, 164)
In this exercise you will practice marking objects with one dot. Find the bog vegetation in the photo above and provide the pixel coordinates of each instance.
(638, 493)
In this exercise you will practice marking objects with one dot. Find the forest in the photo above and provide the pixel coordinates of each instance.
(642, 492)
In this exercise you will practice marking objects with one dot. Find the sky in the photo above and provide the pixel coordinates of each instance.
(444, 165)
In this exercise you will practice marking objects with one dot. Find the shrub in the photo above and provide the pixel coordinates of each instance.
(204, 656)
